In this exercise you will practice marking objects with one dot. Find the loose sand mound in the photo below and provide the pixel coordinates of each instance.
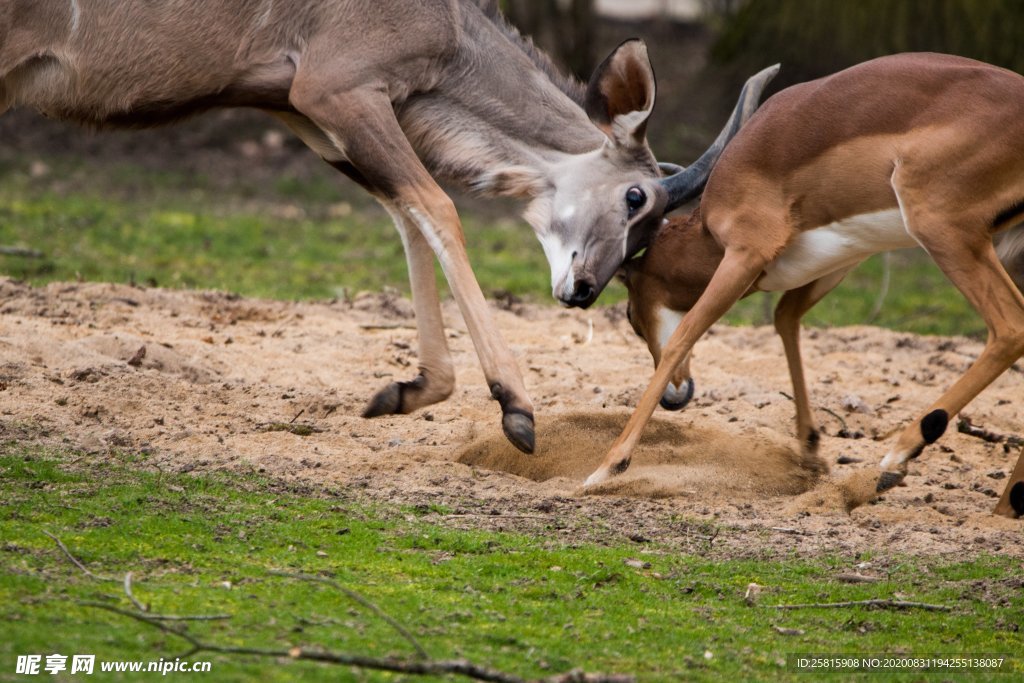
(206, 381)
(673, 459)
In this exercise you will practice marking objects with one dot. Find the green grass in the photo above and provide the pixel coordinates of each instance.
(124, 224)
(533, 605)
(303, 243)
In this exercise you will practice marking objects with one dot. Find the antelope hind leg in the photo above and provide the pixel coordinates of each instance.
(971, 264)
(791, 308)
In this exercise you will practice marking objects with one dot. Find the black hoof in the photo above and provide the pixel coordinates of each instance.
(887, 480)
(677, 400)
(1017, 498)
(518, 428)
(388, 401)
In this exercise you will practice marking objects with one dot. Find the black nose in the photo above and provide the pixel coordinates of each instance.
(583, 294)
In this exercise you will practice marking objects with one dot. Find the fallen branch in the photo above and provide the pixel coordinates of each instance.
(831, 412)
(965, 426)
(74, 560)
(421, 667)
(365, 602)
(127, 583)
(386, 326)
(131, 596)
(881, 604)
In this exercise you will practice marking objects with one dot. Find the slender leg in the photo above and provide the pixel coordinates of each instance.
(792, 307)
(737, 272)
(361, 122)
(969, 261)
(436, 378)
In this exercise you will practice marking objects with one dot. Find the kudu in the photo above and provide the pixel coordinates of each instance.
(396, 95)
(910, 150)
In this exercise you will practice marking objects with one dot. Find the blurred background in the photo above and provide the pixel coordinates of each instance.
(229, 200)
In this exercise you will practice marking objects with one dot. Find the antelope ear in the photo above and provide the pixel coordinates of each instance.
(620, 96)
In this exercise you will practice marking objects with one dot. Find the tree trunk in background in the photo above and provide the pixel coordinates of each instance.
(579, 55)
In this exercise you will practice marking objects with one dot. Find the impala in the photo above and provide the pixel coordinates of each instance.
(909, 150)
(396, 95)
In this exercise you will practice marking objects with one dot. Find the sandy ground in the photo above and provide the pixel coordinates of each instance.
(243, 385)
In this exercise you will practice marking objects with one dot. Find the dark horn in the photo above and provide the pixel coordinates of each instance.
(686, 184)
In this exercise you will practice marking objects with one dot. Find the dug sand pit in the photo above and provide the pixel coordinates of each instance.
(673, 459)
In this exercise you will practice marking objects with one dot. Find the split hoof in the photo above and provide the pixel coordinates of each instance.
(388, 401)
(676, 399)
(519, 430)
(1017, 498)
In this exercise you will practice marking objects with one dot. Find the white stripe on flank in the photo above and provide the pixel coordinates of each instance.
(820, 251)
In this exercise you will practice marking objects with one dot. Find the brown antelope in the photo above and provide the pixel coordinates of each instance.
(396, 95)
(910, 150)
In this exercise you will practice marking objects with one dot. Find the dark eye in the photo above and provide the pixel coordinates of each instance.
(635, 200)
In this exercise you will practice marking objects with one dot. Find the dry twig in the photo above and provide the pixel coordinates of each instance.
(127, 583)
(131, 596)
(965, 426)
(365, 602)
(74, 560)
(456, 667)
(881, 604)
(422, 665)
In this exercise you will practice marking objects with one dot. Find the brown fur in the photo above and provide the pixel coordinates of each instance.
(937, 137)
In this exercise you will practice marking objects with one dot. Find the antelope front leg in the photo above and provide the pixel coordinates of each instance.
(361, 123)
(436, 378)
(732, 279)
(440, 225)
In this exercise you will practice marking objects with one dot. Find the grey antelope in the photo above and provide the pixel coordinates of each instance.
(909, 150)
(396, 95)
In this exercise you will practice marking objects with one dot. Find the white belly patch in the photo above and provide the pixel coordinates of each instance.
(841, 245)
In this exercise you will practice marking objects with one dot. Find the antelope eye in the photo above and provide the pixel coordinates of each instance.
(635, 200)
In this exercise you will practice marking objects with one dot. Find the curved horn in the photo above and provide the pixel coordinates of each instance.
(685, 184)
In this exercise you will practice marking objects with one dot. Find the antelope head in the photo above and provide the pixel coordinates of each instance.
(597, 210)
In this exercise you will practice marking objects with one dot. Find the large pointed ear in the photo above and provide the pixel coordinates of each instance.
(620, 96)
